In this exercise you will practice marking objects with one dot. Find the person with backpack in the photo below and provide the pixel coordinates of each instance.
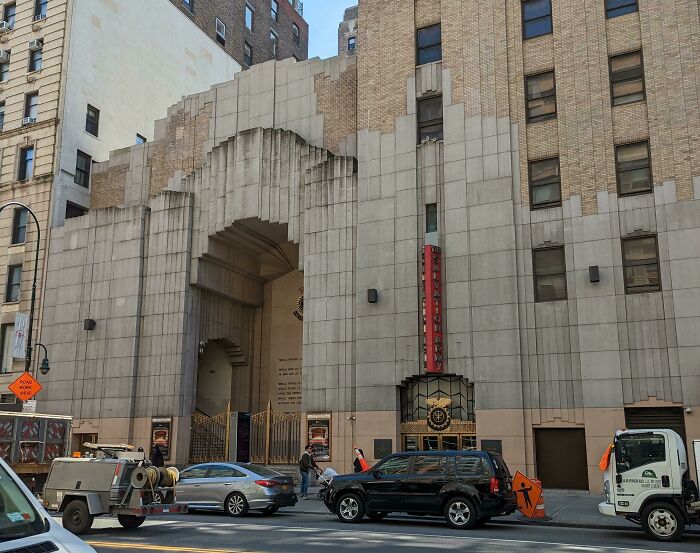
(306, 463)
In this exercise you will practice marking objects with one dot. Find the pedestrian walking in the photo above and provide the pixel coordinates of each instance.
(306, 463)
(360, 464)
(157, 459)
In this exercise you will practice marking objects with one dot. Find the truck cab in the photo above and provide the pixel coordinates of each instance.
(647, 480)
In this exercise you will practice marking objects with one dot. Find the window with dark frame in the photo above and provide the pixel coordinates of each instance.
(2, 115)
(220, 32)
(249, 17)
(430, 119)
(431, 218)
(82, 169)
(92, 120)
(35, 59)
(295, 33)
(545, 183)
(19, 226)
(14, 280)
(7, 339)
(5, 70)
(549, 270)
(31, 105)
(247, 54)
(26, 163)
(633, 168)
(274, 40)
(189, 4)
(140, 139)
(429, 44)
(274, 9)
(541, 97)
(615, 8)
(352, 43)
(627, 78)
(8, 14)
(73, 210)
(640, 262)
(40, 9)
(537, 18)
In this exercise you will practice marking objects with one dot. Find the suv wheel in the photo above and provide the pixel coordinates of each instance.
(76, 517)
(460, 513)
(350, 508)
(662, 522)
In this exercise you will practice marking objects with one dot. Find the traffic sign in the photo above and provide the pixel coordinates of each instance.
(527, 493)
(25, 387)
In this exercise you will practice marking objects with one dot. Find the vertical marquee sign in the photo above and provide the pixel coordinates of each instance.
(432, 283)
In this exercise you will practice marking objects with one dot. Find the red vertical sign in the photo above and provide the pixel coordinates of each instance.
(432, 281)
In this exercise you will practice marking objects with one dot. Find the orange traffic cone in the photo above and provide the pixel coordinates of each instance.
(539, 509)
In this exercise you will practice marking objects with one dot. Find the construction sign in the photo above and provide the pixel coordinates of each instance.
(25, 387)
(528, 493)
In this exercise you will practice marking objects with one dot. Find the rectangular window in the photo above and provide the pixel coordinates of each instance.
(7, 340)
(274, 41)
(40, 9)
(35, 59)
(31, 105)
(189, 4)
(640, 261)
(248, 17)
(8, 14)
(431, 218)
(537, 18)
(82, 169)
(430, 119)
(26, 163)
(92, 120)
(8, 399)
(220, 32)
(352, 44)
(541, 97)
(140, 139)
(5, 70)
(429, 44)
(614, 8)
(73, 210)
(19, 226)
(295, 33)
(545, 183)
(469, 465)
(247, 54)
(2, 115)
(14, 279)
(428, 464)
(627, 78)
(274, 8)
(633, 168)
(549, 268)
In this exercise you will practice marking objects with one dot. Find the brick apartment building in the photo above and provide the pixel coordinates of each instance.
(252, 31)
(347, 32)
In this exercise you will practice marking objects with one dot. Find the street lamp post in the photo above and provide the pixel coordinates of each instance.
(28, 360)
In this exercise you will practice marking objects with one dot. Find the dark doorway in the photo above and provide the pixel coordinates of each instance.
(638, 418)
(561, 458)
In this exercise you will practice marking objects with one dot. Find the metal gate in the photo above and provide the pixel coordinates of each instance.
(209, 439)
(275, 437)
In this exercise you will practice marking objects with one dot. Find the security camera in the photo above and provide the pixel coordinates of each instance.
(689, 409)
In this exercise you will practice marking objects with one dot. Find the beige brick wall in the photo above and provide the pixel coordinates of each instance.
(337, 100)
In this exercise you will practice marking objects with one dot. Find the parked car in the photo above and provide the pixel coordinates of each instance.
(25, 525)
(235, 488)
(466, 487)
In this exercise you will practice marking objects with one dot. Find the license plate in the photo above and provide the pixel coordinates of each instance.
(285, 487)
(166, 509)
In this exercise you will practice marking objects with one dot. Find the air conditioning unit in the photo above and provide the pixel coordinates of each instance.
(4, 56)
(5, 27)
(36, 44)
(28, 120)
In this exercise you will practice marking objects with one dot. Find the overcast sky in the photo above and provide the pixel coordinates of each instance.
(323, 17)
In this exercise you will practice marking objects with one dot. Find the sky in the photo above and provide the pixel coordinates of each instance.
(323, 17)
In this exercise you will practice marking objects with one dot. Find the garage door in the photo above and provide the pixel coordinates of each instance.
(561, 458)
(637, 418)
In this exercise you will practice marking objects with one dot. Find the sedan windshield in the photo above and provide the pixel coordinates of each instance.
(18, 517)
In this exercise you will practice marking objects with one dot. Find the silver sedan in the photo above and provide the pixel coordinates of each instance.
(235, 488)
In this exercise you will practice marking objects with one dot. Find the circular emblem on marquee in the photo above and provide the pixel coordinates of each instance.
(439, 413)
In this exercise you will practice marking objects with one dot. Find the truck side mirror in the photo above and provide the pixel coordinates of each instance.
(618, 478)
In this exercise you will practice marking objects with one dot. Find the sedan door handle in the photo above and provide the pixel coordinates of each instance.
(227, 483)
(196, 485)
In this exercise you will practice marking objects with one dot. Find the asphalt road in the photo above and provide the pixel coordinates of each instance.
(288, 532)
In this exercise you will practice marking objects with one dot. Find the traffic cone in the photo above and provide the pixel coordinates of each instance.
(539, 509)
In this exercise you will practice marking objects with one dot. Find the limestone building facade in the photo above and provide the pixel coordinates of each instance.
(491, 209)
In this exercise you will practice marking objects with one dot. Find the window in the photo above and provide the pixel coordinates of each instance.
(220, 32)
(295, 33)
(40, 9)
(82, 169)
(92, 120)
(35, 59)
(636, 450)
(428, 464)
(394, 465)
(222, 471)
(247, 54)
(352, 44)
(7, 335)
(633, 168)
(73, 210)
(431, 218)
(2, 115)
(541, 97)
(26, 163)
(429, 42)
(549, 268)
(469, 465)
(537, 18)
(626, 78)
(194, 472)
(640, 261)
(430, 119)
(613, 8)
(274, 40)
(19, 226)
(545, 183)
(189, 4)
(274, 7)
(14, 279)
(5, 70)
(8, 14)
(140, 139)
(8, 398)
(31, 105)
(249, 17)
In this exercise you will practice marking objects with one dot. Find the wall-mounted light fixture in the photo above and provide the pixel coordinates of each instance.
(594, 273)
(89, 324)
(372, 295)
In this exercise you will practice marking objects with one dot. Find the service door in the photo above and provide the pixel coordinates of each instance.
(561, 458)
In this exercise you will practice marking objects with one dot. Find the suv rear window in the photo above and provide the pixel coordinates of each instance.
(469, 465)
(428, 464)
(500, 464)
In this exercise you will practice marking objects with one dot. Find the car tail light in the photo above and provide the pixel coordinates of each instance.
(494, 486)
(266, 483)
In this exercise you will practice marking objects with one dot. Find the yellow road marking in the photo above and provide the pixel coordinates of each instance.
(171, 548)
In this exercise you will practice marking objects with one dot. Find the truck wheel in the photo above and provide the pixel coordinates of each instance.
(76, 517)
(663, 522)
(130, 521)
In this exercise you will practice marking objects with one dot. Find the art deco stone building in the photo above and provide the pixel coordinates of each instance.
(534, 166)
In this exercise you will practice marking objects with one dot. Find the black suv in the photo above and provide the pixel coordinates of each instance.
(466, 487)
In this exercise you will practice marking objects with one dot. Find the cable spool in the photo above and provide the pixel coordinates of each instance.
(169, 476)
(139, 477)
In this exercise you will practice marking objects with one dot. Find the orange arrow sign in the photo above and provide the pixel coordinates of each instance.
(527, 492)
(25, 387)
